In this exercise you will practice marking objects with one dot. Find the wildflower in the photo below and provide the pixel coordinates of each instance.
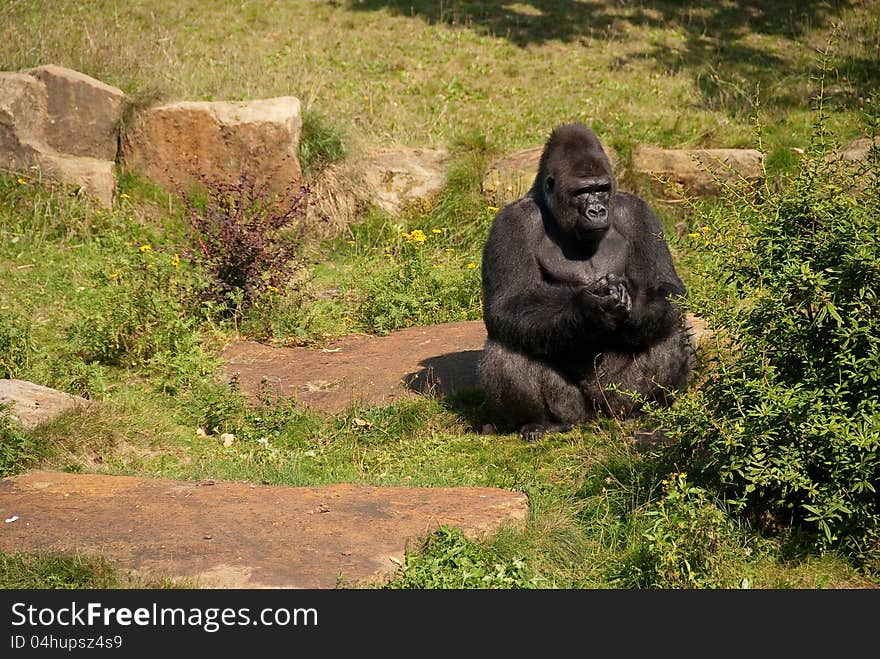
(145, 248)
(693, 235)
(21, 181)
(175, 260)
(704, 229)
(124, 196)
(492, 209)
(416, 236)
(272, 289)
(114, 275)
(436, 230)
(471, 266)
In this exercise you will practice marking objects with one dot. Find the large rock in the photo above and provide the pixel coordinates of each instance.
(696, 170)
(63, 125)
(82, 114)
(32, 404)
(404, 176)
(218, 141)
(242, 535)
(511, 176)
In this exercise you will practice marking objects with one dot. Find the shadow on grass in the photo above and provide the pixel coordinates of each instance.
(726, 66)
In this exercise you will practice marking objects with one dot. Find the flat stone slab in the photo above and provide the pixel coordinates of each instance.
(371, 369)
(241, 535)
(32, 404)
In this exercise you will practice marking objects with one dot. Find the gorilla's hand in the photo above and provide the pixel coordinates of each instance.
(613, 294)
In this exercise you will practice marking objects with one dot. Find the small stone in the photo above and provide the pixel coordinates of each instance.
(228, 439)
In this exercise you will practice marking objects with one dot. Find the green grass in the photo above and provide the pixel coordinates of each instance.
(83, 308)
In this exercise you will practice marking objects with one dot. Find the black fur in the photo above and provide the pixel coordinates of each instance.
(577, 288)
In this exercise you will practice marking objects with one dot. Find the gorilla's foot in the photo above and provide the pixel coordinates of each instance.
(533, 431)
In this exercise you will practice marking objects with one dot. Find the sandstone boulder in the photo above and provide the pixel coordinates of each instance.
(696, 170)
(82, 114)
(511, 176)
(403, 176)
(218, 141)
(32, 404)
(63, 125)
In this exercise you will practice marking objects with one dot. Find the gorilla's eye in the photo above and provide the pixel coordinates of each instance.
(550, 183)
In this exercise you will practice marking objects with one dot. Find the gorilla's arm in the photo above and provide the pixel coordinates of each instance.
(651, 277)
(525, 311)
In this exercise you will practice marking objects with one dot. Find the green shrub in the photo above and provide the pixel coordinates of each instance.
(18, 450)
(684, 541)
(16, 345)
(419, 284)
(785, 422)
(449, 560)
(139, 309)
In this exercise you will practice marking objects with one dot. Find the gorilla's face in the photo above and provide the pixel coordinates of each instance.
(576, 183)
(581, 205)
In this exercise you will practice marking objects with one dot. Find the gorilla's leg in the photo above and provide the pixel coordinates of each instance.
(532, 394)
(652, 375)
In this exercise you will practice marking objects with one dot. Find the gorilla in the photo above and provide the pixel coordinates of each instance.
(579, 297)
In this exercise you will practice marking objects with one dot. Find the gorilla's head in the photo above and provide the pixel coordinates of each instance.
(575, 183)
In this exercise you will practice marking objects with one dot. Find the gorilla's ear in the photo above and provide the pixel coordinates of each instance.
(549, 184)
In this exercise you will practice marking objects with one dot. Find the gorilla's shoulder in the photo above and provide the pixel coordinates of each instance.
(522, 213)
(637, 212)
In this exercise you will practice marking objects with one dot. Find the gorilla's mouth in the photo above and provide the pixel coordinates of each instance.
(589, 229)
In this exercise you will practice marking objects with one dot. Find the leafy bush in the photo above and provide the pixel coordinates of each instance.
(419, 285)
(449, 560)
(18, 450)
(16, 345)
(686, 541)
(246, 238)
(785, 422)
(139, 309)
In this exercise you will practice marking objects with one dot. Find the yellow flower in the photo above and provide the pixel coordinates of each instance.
(175, 260)
(114, 275)
(436, 230)
(693, 235)
(416, 236)
(272, 289)
(471, 266)
(704, 229)
(492, 209)
(145, 248)
(21, 181)
(124, 196)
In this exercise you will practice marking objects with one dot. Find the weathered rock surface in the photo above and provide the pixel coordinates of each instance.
(32, 404)
(242, 535)
(379, 370)
(511, 176)
(696, 169)
(179, 142)
(404, 176)
(63, 125)
(370, 369)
